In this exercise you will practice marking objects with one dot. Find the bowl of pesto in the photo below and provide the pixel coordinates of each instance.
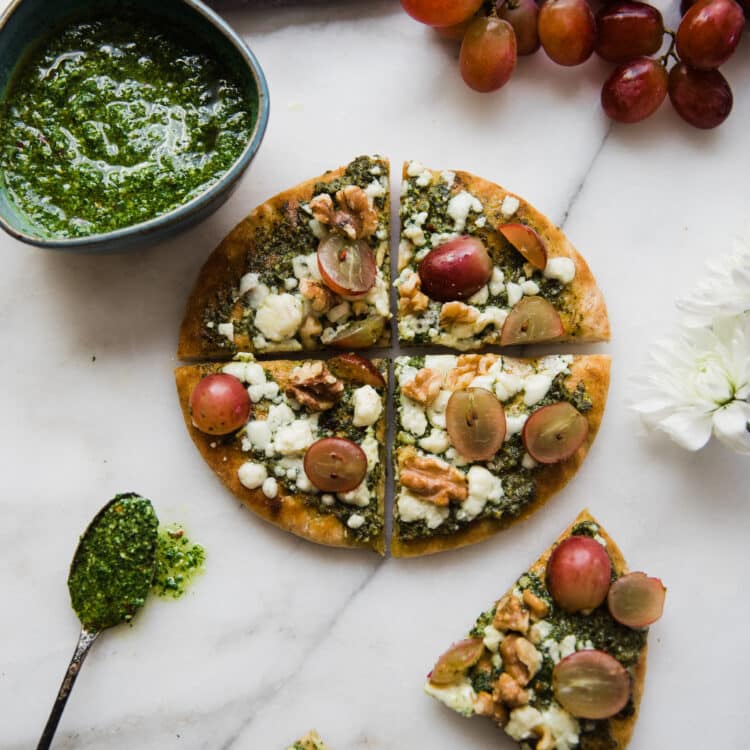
(122, 122)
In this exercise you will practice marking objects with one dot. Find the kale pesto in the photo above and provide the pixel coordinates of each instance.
(117, 119)
(113, 567)
(178, 561)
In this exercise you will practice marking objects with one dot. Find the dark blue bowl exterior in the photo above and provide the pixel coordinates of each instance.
(28, 21)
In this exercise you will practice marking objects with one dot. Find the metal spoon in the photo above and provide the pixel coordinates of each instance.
(88, 633)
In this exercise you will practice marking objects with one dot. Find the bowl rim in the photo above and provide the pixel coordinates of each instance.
(194, 205)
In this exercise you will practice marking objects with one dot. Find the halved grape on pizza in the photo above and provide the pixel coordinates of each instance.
(483, 440)
(300, 443)
(305, 270)
(479, 265)
(559, 661)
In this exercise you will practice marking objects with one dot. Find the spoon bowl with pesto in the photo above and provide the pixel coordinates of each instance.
(109, 580)
(123, 121)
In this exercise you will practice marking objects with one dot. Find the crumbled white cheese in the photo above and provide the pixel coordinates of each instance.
(290, 283)
(263, 390)
(424, 179)
(493, 638)
(318, 229)
(226, 330)
(564, 728)
(481, 221)
(507, 385)
(279, 414)
(480, 297)
(509, 206)
(415, 234)
(248, 282)
(436, 410)
(368, 406)
(539, 631)
(258, 434)
(514, 424)
(406, 374)
(514, 292)
(528, 462)
(459, 206)
(379, 296)
(414, 168)
(256, 296)
(455, 457)
(411, 508)
(562, 269)
(327, 500)
(279, 317)
(483, 488)
(340, 312)
(371, 448)
(236, 369)
(405, 253)
(436, 442)
(443, 363)
(295, 437)
(483, 381)
(600, 539)
(413, 417)
(448, 177)
(270, 488)
(460, 697)
(522, 722)
(252, 475)
(567, 646)
(497, 281)
(359, 496)
(535, 388)
(530, 288)
(355, 521)
(374, 190)
(376, 169)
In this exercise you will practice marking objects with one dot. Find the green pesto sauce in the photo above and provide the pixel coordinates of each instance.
(178, 561)
(113, 566)
(116, 120)
(519, 484)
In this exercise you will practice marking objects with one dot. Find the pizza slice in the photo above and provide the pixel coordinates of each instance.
(560, 660)
(302, 443)
(478, 265)
(307, 269)
(485, 440)
(310, 741)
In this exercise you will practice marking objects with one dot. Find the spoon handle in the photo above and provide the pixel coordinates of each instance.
(85, 639)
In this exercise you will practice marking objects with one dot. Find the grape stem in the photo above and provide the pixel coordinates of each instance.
(664, 59)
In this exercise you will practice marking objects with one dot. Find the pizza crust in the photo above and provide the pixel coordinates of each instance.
(288, 511)
(593, 371)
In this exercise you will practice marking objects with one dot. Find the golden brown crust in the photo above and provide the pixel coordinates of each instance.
(584, 313)
(288, 511)
(593, 371)
(233, 258)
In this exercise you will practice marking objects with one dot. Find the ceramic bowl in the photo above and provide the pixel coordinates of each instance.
(28, 22)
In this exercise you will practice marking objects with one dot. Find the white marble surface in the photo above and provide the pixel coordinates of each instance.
(279, 636)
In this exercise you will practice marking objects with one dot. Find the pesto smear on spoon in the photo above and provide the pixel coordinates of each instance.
(116, 120)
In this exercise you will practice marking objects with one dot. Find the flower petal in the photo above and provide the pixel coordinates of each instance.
(689, 429)
(732, 426)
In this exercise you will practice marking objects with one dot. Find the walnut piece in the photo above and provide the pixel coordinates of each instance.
(353, 217)
(310, 330)
(520, 659)
(509, 692)
(314, 386)
(485, 705)
(457, 313)
(546, 741)
(425, 387)
(510, 615)
(537, 607)
(432, 479)
(320, 296)
(410, 298)
(467, 368)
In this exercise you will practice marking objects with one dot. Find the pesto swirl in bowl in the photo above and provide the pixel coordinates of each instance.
(113, 121)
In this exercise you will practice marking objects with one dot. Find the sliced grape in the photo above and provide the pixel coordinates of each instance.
(456, 269)
(701, 97)
(219, 404)
(567, 30)
(709, 33)
(591, 684)
(347, 266)
(527, 242)
(335, 464)
(488, 54)
(456, 660)
(476, 425)
(533, 319)
(441, 12)
(628, 29)
(578, 574)
(522, 16)
(635, 90)
(357, 369)
(636, 600)
(554, 432)
(359, 334)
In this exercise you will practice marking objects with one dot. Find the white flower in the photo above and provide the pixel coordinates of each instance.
(699, 383)
(724, 291)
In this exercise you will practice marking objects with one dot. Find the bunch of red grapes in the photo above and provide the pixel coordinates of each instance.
(626, 32)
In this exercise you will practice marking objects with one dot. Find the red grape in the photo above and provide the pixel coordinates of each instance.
(456, 660)
(219, 404)
(532, 319)
(554, 432)
(357, 369)
(488, 54)
(335, 464)
(635, 90)
(701, 97)
(359, 334)
(527, 242)
(441, 12)
(456, 269)
(709, 33)
(628, 29)
(347, 266)
(578, 573)
(567, 30)
(636, 600)
(522, 16)
(476, 425)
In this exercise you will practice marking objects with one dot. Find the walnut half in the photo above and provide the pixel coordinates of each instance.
(432, 479)
(425, 387)
(353, 215)
(410, 298)
(314, 386)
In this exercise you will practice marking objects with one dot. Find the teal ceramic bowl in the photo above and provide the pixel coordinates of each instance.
(28, 22)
